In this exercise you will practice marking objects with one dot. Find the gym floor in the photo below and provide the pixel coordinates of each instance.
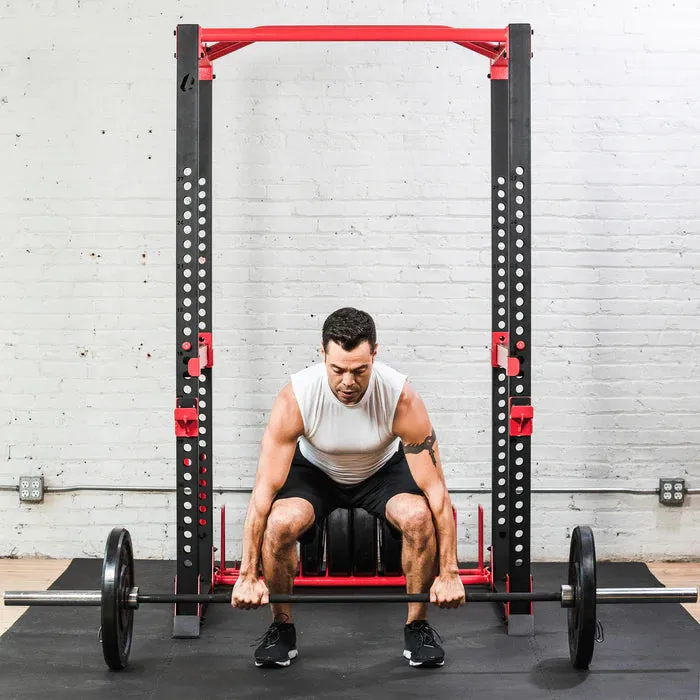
(649, 651)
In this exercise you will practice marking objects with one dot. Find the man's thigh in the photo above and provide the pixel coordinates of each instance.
(392, 479)
(308, 482)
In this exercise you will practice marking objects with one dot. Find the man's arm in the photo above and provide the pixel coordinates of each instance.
(412, 425)
(277, 450)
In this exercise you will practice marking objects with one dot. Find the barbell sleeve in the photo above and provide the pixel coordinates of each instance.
(57, 598)
(646, 595)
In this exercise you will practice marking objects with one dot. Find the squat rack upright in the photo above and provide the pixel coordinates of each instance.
(509, 54)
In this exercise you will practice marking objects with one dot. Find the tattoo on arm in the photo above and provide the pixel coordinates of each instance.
(427, 444)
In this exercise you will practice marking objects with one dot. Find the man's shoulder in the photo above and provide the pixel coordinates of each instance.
(286, 417)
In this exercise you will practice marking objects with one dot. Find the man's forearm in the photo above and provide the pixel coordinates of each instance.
(445, 531)
(253, 531)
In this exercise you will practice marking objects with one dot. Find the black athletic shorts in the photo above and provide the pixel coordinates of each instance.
(325, 495)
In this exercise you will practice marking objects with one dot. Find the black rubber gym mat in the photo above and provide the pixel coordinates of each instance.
(345, 651)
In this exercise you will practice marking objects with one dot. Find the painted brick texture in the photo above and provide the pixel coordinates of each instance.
(348, 175)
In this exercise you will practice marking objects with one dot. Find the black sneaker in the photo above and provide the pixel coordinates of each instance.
(422, 649)
(278, 647)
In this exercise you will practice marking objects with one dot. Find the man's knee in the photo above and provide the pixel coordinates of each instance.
(414, 519)
(288, 519)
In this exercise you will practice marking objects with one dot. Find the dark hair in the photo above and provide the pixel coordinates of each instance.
(349, 327)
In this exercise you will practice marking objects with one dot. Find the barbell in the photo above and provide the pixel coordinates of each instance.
(119, 597)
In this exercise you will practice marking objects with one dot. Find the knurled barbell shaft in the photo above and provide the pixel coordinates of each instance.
(565, 596)
(477, 597)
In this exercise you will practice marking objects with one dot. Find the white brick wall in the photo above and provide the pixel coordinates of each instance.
(348, 174)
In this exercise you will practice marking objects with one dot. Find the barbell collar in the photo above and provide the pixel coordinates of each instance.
(568, 596)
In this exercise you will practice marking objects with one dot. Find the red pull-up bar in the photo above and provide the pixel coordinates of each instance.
(488, 42)
(354, 33)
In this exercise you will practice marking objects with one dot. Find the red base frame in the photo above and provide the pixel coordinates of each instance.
(481, 576)
(470, 577)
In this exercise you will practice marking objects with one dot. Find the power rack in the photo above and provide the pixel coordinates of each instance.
(509, 54)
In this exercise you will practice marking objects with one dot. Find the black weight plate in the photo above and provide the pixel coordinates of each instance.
(338, 545)
(582, 578)
(364, 543)
(390, 549)
(117, 618)
(312, 549)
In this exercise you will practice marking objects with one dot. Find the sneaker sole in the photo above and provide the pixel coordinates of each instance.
(434, 663)
(273, 664)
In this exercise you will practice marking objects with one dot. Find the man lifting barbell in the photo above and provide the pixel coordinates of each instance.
(350, 432)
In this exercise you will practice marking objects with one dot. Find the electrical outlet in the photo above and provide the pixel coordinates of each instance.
(672, 492)
(31, 489)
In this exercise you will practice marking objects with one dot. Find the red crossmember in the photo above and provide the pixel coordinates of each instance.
(218, 42)
(359, 32)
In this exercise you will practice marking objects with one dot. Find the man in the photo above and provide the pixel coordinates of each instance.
(349, 432)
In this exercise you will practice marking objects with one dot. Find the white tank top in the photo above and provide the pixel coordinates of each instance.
(349, 443)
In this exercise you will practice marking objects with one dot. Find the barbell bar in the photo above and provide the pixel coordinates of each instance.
(119, 597)
(566, 596)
